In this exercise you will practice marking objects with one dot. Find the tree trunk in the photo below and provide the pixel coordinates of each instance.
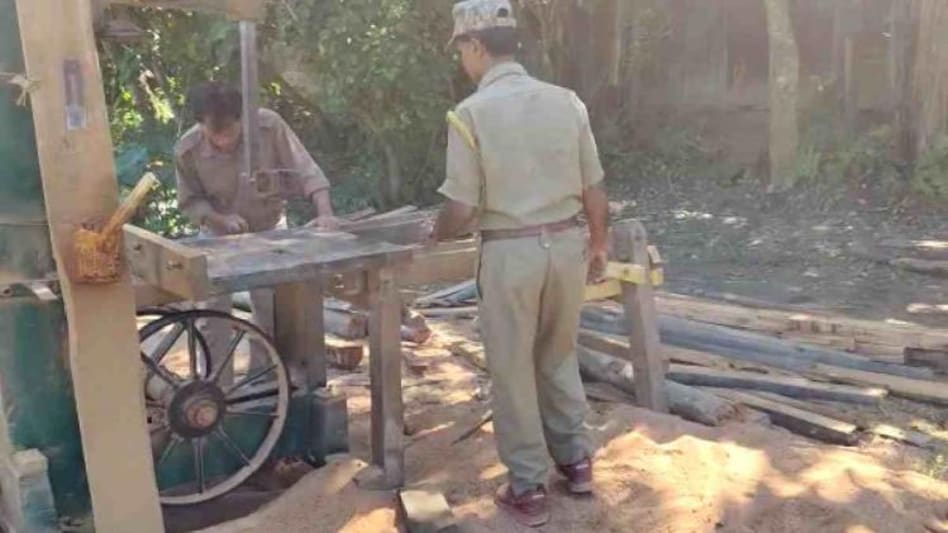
(608, 29)
(784, 82)
(931, 73)
(901, 57)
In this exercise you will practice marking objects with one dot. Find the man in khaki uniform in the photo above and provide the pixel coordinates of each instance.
(217, 196)
(522, 160)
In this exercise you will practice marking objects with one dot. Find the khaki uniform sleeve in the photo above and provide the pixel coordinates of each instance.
(192, 199)
(589, 162)
(463, 176)
(292, 155)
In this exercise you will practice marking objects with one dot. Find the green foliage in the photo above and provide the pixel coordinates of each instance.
(365, 84)
(931, 172)
(808, 163)
(146, 85)
(867, 160)
(381, 66)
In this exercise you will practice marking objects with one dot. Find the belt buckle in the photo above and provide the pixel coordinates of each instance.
(545, 241)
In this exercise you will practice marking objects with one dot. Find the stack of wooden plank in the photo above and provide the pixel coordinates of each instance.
(799, 368)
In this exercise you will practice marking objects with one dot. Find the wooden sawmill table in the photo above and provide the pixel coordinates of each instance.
(295, 263)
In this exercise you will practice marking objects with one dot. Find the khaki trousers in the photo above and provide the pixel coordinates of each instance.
(531, 294)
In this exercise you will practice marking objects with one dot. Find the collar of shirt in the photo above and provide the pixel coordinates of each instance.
(502, 70)
(207, 150)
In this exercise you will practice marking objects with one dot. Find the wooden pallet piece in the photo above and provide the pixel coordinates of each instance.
(79, 185)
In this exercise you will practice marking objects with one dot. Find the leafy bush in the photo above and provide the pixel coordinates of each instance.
(931, 172)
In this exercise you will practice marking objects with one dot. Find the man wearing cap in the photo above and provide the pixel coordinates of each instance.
(522, 162)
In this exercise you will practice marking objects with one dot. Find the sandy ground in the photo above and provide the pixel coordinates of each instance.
(654, 473)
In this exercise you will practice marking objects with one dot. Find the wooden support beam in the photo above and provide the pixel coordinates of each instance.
(249, 10)
(797, 420)
(385, 371)
(79, 186)
(441, 264)
(618, 273)
(299, 328)
(166, 264)
(638, 301)
(796, 387)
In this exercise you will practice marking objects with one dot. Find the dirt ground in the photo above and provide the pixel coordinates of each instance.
(817, 249)
(655, 473)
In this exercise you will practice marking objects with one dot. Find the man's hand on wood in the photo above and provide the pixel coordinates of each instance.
(227, 224)
(324, 222)
(598, 259)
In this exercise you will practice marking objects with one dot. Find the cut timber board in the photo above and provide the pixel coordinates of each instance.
(241, 262)
(617, 347)
(166, 264)
(445, 263)
(908, 436)
(796, 387)
(233, 9)
(797, 420)
(79, 185)
(913, 389)
(865, 334)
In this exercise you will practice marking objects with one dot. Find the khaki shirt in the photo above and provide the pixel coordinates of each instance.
(535, 151)
(212, 181)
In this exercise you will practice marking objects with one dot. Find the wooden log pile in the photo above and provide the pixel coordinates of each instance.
(799, 368)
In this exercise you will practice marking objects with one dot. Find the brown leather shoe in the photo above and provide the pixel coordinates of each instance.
(579, 476)
(529, 509)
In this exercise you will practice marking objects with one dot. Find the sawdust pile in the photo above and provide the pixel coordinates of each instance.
(655, 473)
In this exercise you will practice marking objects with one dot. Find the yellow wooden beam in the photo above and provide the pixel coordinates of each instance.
(79, 187)
(617, 273)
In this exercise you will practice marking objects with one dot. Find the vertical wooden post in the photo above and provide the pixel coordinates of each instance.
(299, 330)
(79, 186)
(631, 245)
(385, 371)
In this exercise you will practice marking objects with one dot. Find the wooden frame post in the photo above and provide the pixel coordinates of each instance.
(79, 186)
(299, 331)
(638, 301)
(385, 372)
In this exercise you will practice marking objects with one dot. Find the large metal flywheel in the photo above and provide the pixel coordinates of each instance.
(217, 394)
